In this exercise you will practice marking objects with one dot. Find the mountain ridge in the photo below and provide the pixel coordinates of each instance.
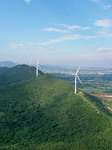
(44, 113)
(17, 73)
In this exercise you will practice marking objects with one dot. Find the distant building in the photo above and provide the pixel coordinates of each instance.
(101, 73)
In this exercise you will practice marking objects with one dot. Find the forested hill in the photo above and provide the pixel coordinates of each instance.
(43, 113)
(3, 69)
(16, 74)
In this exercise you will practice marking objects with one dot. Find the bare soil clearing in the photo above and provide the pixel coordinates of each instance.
(106, 97)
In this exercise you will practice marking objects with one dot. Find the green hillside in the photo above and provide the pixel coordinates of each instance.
(16, 74)
(44, 114)
(3, 69)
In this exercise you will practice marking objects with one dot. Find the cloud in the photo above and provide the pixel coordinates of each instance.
(23, 45)
(64, 25)
(66, 38)
(17, 46)
(104, 23)
(107, 7)
(55, 30)
(27, 1)
(61, 39)
(75, 27)
(78, 27)
(44, 48)
(31, 43)
(104, 49)
(95, 0)
(104, 34)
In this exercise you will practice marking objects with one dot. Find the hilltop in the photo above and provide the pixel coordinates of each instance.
(44, 114)
(16, 74)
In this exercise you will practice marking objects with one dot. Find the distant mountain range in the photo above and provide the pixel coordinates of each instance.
(7, 64)
(49, 67)
(55, 67)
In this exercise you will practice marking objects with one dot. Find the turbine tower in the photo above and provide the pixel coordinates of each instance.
(37, 69)
(77, 77)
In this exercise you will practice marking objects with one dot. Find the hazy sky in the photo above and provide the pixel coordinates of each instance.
(68, 32)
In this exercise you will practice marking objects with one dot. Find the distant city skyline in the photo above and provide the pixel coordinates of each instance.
(68, 32)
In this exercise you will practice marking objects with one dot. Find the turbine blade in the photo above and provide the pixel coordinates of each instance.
(79, 80)
(38, 65)
(78, 70)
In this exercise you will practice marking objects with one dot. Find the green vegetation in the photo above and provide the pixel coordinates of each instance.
(3, 69)
(107, 104)
(44, 114)
(16, 74)
(92, 90)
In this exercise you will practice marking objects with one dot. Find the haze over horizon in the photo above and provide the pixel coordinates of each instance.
(68, 32)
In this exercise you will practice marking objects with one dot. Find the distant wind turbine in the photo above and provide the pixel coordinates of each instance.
(76, 76)
(37, 66)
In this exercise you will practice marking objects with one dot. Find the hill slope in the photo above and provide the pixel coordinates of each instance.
(44, 114)
(16, 74)
(3, 69)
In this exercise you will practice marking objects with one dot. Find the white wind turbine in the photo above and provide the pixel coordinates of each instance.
(76, 76)
(37, 66)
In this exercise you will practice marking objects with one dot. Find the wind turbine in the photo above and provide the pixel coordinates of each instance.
(37, 66)
(77, 77)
